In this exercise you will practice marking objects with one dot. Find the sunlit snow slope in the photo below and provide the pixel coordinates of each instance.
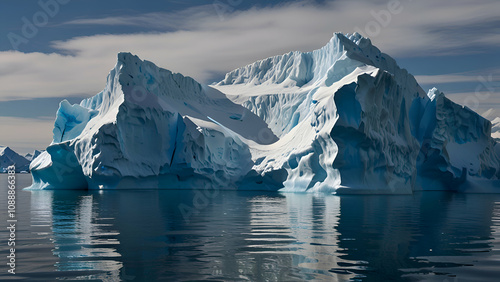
(344, 118)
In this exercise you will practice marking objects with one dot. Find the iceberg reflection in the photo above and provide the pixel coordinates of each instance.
(84, 242)
(257, 236)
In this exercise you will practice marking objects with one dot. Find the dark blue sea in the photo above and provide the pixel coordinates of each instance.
(180, 235)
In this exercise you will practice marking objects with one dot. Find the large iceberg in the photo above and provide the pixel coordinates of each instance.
(344, 118)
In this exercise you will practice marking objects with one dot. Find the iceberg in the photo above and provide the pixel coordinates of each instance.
(344, 119)
(495, 128)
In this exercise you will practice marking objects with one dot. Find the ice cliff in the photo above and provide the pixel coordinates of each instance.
(344, 118)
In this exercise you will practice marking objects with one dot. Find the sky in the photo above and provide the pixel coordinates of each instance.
(63, 49)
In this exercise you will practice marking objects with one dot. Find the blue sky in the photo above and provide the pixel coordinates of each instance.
(450, 44)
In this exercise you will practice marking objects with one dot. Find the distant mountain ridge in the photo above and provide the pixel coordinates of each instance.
(8, 157)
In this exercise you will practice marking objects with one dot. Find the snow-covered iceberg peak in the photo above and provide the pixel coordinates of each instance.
(327, 65)
(291, 69)
(149, 125)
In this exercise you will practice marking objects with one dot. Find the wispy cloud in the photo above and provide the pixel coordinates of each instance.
(441, 27)
(180, 20)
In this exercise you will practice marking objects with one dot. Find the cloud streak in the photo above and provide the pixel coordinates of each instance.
(180, 20)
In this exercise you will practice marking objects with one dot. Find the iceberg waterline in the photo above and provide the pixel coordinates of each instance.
(344, 118)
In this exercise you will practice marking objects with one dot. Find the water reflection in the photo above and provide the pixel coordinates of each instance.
(145, 236)
(299, 228)
(84, 241)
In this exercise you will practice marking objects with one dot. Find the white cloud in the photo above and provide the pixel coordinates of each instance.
(457, 78)
(180, 20)
(36, 75)
(204, 45)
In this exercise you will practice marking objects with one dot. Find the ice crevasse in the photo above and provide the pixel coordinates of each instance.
(344, 118)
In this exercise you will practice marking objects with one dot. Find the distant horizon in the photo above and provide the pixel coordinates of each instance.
(53, 49)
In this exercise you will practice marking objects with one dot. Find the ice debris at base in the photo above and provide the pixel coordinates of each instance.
(344, 118)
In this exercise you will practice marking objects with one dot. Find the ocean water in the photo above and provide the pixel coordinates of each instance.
(256, 236)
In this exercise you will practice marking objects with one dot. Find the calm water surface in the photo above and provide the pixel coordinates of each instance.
(257, 236)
